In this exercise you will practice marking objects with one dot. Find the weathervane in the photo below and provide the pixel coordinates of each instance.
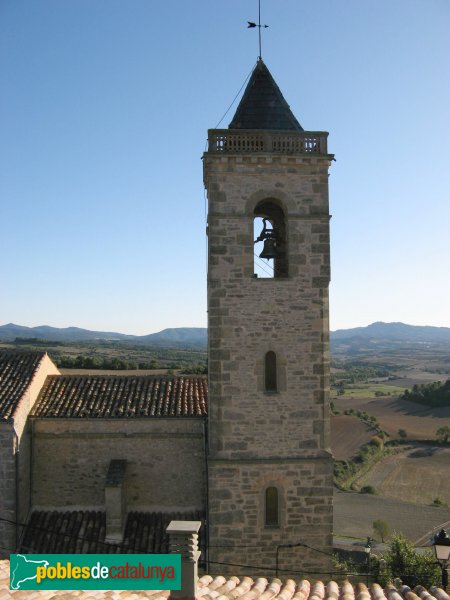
(251, 24)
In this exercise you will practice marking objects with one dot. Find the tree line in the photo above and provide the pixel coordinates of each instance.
(431, 394)
(118, 364)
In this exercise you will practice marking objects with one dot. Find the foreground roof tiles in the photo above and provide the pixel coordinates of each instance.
(83, 532)
(244, 588)
(17, 370)
(119, 396)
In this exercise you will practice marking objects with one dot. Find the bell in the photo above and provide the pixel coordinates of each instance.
(269, 251)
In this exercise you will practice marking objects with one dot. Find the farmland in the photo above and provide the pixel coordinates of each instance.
(354, 515)
(419, 474)
(393, 414)
(408, 482)
(348, 434)
(118, 357)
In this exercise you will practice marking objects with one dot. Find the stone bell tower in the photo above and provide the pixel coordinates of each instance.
(270, 474)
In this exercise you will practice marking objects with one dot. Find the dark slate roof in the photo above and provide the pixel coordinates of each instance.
(17, 370)
(92, 396)
(83, 532)
(262, 106)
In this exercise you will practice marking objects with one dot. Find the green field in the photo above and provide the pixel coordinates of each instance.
(368, 390)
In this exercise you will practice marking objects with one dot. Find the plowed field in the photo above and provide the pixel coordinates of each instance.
(348, 434)
(419, 422)
(354, 515)
(418, 475)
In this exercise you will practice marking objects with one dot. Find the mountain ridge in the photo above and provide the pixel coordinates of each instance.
(197, 336)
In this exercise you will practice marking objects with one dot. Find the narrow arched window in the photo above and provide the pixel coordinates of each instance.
(269, 235)
(270, 372)
(272, 509)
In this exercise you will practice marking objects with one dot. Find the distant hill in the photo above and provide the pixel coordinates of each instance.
(11, 331)
(381, 338)
(196, 337)
(394, 332)
(181, 336)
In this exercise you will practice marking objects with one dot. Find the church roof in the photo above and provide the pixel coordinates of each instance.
(262, 106)
(83, 532)
(118, 396)
(17, 370)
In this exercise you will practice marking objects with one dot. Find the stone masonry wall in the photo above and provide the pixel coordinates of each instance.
(250, 316)
(237, 516)
(165, 462)
(258, 438)
(22, 429)
(7, 489)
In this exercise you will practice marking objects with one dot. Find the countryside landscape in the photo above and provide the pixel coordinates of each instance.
(391, 449)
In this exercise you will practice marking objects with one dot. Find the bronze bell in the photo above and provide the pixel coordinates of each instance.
(270, 250)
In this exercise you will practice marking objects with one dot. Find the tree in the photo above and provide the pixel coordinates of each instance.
(402, 561)
(381, 528)
(439, 502)
(368, 489)
(402, 433)
(443, 434)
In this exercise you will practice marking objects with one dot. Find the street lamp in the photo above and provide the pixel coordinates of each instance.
(367, 550)
(441, 544)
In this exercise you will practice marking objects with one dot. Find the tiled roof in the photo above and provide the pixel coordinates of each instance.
(118, 396)
(16, 373)
(83, 532)
(245, 588)
(262, 106)
(220, 588)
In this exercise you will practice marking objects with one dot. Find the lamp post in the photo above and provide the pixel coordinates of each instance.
(367, 550)
(441, 544)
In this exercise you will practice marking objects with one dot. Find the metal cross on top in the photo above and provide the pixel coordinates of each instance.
(251, 24)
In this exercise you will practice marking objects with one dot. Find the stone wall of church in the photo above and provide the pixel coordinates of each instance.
(165, 462)
(239, 533)
(269, 438)
(7, 489)
(250, 316)
(24, 476)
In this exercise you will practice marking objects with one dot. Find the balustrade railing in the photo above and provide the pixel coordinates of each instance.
(247, 140)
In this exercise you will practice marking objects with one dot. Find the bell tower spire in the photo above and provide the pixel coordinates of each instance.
(270, 470)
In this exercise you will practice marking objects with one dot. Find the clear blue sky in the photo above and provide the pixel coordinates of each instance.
(104, 111)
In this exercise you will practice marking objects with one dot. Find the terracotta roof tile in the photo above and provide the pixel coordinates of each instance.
(117, 396)
(83, 532)
(233, 588)
(17, 370)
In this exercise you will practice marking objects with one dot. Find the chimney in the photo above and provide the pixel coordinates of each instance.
(115, 500)
(183, 539)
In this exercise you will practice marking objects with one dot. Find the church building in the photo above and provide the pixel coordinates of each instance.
(103, 463)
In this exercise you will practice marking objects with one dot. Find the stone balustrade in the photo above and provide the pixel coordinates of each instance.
(283, 142)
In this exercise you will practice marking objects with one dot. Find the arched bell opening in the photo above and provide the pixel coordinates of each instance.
(269, 234)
